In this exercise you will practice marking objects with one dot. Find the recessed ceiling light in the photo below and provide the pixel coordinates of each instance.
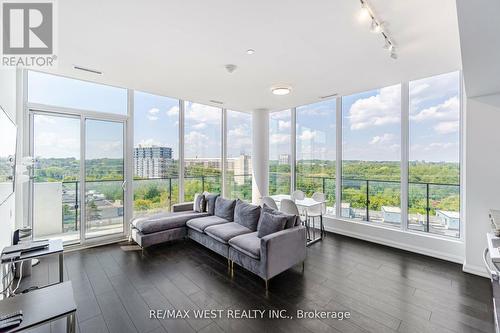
(280, 91)
(250, 51)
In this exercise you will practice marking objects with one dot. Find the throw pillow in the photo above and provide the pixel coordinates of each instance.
(210, 206)
(270, 224)
(247, 214)
(224, 208)
(291, 220)
(199, 203)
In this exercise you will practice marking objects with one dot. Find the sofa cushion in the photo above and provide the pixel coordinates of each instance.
(270, 224)
(291, 220)
(199, 224)
(211, 198)
(248, 244)
(199, 203)
(225, 208)
(164, 221)
(247, 214)
(224, 232)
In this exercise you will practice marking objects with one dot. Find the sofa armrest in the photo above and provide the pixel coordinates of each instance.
(282, 250)
(182, 207)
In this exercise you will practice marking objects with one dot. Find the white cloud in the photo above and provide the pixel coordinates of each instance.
(433, 88)
(199, 126)
(153, 113)
(199, 113)
(195, 138)
(279, 138)
(280, 114)
(378, 110)
(149, 142)
(382, 139)
(284, 124)
(447, 127)
(448, 110)
(307, 135)
(173, 111)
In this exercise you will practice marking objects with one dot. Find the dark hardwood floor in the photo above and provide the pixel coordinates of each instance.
(385, 290)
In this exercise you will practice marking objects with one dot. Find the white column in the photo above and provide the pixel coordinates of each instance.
(260, 155)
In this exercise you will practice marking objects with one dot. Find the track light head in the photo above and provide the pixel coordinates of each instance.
(364, 13)
(375, 27)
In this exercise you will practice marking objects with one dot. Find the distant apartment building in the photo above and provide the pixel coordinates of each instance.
(152, 162)
(284, 159)
(241, 165)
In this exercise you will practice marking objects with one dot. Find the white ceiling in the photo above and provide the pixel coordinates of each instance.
(480, 42)
(178, 48)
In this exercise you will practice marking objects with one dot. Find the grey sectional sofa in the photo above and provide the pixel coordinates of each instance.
(230, 228)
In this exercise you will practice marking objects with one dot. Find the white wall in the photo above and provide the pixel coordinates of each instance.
(8, 103)
(482, 175)
(451, 250)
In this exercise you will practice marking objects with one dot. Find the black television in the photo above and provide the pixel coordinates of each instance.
(8, 143)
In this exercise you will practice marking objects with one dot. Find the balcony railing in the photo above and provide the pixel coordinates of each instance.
(432, 207)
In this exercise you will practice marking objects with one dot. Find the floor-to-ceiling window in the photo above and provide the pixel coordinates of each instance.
(371, 156)
(316, 150)
(239, 155)
(74, 198)
(202, 149)
(156, 153)
(434, 169)
(280, 156)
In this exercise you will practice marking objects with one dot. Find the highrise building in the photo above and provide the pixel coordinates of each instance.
(152, 162)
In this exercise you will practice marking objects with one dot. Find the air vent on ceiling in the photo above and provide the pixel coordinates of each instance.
(216, 102)
(85, 69)
(328, 96)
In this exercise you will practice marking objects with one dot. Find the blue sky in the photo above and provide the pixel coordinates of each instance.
(370, 122)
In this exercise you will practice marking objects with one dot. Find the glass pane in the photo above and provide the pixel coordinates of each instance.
(239, 156)
(316, 157)
(56, 200)
(72, 93)
(156, 156)
(202, 146)
(371, 168)
(434, 170)
(104, 178)
(279, 152)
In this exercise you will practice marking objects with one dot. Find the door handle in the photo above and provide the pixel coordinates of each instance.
(493, 272)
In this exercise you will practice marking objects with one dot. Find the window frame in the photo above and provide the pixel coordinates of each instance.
(404, 161)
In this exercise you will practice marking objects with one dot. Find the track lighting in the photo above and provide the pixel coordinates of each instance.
(377, 27)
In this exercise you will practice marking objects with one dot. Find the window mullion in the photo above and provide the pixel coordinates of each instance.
(405, 137)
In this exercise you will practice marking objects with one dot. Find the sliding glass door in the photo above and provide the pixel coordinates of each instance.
(104, 178)
(56, 177)
(77, 157)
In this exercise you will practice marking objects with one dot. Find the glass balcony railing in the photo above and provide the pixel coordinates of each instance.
(239, 186)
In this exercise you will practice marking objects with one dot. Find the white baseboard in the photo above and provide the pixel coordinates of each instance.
(402, 246)
(476, 270)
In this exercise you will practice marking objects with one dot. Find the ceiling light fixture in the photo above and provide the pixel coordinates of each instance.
(377, 27)
(250, 51)
(281, 91)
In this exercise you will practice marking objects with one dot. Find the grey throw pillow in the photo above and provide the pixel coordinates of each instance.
(270, 224)
(224, 208)
(210, 206)
(247, 214)
(291, 220)
(199, 204)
